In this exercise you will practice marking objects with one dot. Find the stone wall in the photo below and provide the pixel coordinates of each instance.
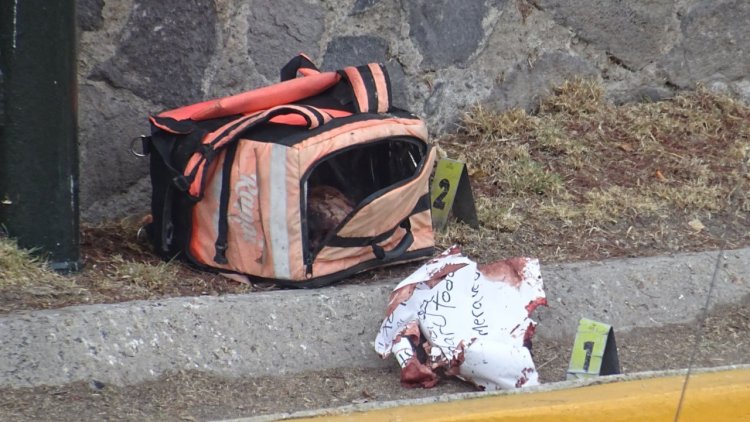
(142, 56)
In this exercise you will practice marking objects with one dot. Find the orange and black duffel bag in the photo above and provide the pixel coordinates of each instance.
(302, 183)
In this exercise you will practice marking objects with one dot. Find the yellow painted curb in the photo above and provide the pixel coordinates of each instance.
(714, 396)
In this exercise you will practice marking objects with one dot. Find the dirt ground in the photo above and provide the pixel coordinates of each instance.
(194, 396)
(581, 179)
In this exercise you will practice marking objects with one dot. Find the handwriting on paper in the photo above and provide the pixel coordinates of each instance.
(475, 323)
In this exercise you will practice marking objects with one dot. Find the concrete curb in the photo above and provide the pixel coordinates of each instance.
(293, 331)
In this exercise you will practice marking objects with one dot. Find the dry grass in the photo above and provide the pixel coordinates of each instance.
(581, 179)
(19, 266)
(117, 266)
(587, 179)
(24, 277)
(147, 278)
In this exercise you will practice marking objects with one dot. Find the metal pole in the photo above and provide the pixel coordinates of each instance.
(38, 131)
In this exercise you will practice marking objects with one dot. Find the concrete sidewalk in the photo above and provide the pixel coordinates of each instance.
(292, 331)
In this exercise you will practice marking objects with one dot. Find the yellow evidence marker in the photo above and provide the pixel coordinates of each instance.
(451, 193)
(594, 351)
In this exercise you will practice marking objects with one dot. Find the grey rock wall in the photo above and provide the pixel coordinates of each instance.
(444, 56)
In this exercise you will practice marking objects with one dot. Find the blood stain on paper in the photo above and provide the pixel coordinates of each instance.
(540, 301)
(508, 270)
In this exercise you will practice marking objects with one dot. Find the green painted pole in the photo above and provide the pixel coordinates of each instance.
(38, 131)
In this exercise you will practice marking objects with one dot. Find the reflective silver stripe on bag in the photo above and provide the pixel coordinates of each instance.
(279, 232)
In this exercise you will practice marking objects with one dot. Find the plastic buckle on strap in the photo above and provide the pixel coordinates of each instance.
(181, 183)
(207, 152)
(221, 257)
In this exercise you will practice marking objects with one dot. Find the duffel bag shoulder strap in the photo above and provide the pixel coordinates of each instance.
(192, 180)
(286, 92)
(259, 99)
(371, 87)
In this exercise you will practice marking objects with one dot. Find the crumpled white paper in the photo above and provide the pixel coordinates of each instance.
(472, 321)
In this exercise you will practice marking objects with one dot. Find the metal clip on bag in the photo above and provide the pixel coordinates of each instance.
(303, 182)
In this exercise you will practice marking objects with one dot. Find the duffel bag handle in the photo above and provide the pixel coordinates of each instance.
(192, 178)
(232, 131)
(400, 249)
(313, 116)
(299, 64)
(396, 252)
